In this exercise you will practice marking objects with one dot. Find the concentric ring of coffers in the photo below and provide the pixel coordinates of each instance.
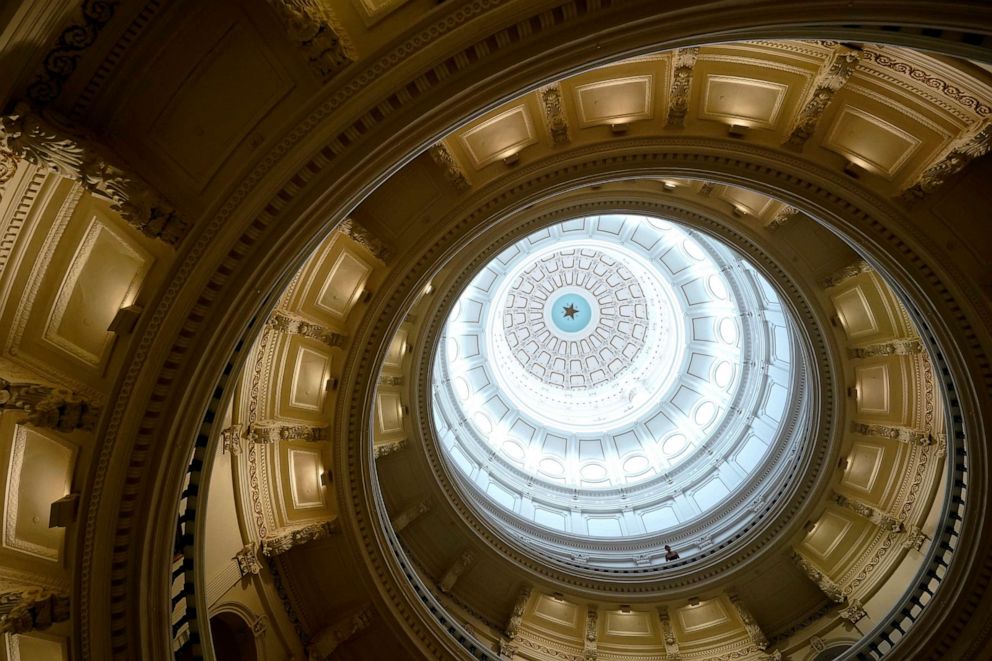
(674, 441)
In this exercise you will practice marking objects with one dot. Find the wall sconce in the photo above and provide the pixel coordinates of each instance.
(618, 129)
(693, 602)
(625, 609)
(511, 159)
(739, 211)
(331, 384)
(852, 392)
(125, 319)
(843, 463)
(326, 477)
(854, 170)
(809, 527)
(428, 289)
(669, 185)
(366, 295)
(405, 409)
(557, 596)
(737, 131)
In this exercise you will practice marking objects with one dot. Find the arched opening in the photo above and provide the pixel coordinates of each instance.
(233, 638)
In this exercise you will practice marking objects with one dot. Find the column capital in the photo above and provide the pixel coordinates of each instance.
(285, 539)
(48, 407)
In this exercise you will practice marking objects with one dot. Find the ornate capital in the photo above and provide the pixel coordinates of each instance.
(49, 141)
(47, 407)
(410, 514)
(754, 632)
(784, 215)
(517, 616)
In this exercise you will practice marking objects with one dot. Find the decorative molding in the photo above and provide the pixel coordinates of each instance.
(883, 520)
(271, 431)
(784, 215)
(754, 633)
(410, 514)
(315, 30)
(363, 237)
(452, 170)
(898, 347)
(854, 612)
(283, 540)
(60, 62)
(247, 559)
(929, 81)
(830, 589)
(385, 380)
(554, 113)
(231, 439)
(284, 322)
(833, 74)
(386, 449)
(962, 151)
(846, 273)
(512, 629)
(678, 98)
(32, 609)
(668, 633)
(590, 644)
(457, 568)
(901, 434)
(49, 141)
(48, 407)
(330, 638)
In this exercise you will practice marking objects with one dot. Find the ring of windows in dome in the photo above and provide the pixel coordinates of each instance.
(672, 397)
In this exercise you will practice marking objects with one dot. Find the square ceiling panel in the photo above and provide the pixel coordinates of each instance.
(745, 101)
(615, 101)
(499, 136)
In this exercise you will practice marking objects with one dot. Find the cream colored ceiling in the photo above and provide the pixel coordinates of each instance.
(75, 263)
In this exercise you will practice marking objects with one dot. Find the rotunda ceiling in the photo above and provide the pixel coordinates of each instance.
(617, 376)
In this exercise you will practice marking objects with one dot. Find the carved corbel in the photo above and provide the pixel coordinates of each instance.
(247, 559)
(284, 322)
(899, 347)
(590, 644)
(457, 568)
(410, 514)
(755, 635)
(671, 642)
(50, 142)
(271, 432)
(453, 172)
(332, 637)
(830, 589)
(836, 69)
(846, 273)
(363, 237)
(315, 31)
(284, 540)
(959, 153)
(901, 434)
(31, 609)
(47, 407)
(678, 106)
(386, 449)
(554, 113)
(880, 519)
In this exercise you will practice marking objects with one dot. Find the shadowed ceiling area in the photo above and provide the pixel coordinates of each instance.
(495, 329)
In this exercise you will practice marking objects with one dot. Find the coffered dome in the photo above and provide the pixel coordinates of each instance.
(618, 376)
